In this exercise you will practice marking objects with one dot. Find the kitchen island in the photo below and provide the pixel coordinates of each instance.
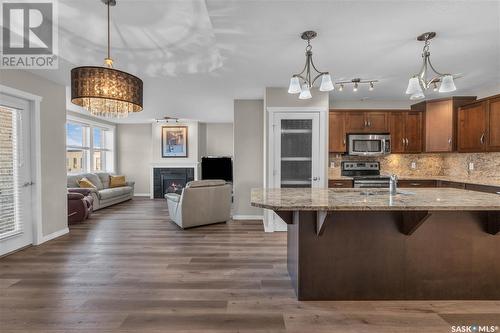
(365, 244)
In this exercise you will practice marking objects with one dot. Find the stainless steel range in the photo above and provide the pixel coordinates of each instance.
(365, 174)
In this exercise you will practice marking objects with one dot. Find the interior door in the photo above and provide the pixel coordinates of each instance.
(296, 150)
(16, 227)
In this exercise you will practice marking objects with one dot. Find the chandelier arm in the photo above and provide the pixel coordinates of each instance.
(318, 76)
(433, 69)
(317, 71)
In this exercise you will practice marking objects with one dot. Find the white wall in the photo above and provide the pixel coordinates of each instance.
(248, 155)
(52, 142)
(133, 147)
(219, 139)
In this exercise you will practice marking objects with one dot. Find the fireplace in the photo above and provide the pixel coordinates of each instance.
(170, 180)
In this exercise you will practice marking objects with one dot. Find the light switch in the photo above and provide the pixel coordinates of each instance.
(413, 165)
(471, 166)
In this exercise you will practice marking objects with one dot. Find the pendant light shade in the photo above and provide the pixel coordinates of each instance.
(294, 87)
(417, 95)
(106, 92)
(413, 86)
(326, 83)
(447, 84)
(305, 93)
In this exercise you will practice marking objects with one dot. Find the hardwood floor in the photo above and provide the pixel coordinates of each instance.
(129, 269)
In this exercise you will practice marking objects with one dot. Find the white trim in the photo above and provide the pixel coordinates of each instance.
(19, 94)
(142, 194)
(86, 121)
(295, 109)
(248, 217)
(36, 157)
(53, 235)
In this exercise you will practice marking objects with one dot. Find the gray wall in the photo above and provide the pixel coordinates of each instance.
(53, 144)
(219, 139)
(248, 154)
(133, 145)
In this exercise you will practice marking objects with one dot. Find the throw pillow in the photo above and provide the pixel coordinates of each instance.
(85, 183)
(117, 181)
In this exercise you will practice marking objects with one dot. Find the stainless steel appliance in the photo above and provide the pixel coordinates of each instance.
(365, 174)
(369, 144)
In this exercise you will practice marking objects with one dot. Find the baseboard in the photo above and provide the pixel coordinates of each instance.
(53, 235)
(248, 217)
(142, 195)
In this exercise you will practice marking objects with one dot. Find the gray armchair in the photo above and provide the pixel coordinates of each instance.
(201, 202)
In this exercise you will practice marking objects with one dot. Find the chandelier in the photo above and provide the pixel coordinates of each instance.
(420, 81)
(302, 82)
(104, 91)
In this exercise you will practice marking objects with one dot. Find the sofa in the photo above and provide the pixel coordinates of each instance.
(103, 195)
(201, 202)
(79, 205)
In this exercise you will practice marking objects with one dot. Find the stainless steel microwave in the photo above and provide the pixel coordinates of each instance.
(369, 144)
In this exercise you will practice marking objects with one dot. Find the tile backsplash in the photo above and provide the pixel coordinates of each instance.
(486, 165)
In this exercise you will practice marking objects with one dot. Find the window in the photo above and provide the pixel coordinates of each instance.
(89, 146)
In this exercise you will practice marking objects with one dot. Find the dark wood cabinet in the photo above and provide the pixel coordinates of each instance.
(494, 124)
(340, 183)
(483, 188)
(417, 183)
(355, 122)
(406, 131)
(440, 122)
(366, 122)
(446, 183)
(337, 132)
(472, 126)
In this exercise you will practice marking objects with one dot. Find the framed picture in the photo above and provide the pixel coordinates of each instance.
(174, 141)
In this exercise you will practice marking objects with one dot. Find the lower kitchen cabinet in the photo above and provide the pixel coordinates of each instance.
(405, 183)
(340, 183)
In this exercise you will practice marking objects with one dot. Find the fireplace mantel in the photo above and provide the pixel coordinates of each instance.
(194, 165)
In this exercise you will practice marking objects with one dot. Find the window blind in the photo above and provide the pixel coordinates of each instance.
(10, 157)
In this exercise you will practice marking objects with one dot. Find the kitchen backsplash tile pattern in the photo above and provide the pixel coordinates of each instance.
(486, 166)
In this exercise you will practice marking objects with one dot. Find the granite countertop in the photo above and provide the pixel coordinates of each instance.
(491, 182)
(349, 199)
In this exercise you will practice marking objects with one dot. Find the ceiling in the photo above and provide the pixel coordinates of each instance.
(197, 56)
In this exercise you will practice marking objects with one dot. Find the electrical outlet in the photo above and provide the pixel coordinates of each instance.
(332, 164)
(413, 165)
(471, 166)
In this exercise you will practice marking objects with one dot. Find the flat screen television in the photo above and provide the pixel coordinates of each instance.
(217, 168)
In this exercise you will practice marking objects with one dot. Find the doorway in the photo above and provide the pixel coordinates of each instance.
(16, 224)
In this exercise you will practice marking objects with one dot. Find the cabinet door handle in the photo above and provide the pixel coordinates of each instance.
(343, 142)
(407, 142)
(338, 184)
(404, 142)
(415, 184)
(482, 139)
(366, 123)
(369, 123)
(449, 142)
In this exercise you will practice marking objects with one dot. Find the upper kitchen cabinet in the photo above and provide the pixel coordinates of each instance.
(337, 133)
(494, 124)
(366, 122)
(440, 122)
(406, 131)
(479, 126)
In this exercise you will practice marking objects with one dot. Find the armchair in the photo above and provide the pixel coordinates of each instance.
(201, 202)
(79, 205)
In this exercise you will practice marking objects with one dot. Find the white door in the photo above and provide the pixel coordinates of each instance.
(296, 150)
(16, 226)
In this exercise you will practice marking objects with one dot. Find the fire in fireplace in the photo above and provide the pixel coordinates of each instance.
(171, 180)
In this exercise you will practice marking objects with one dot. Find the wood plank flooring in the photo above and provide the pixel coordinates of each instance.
(129, 269)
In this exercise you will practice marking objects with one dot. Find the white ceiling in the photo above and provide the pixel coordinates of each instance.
(196, 56)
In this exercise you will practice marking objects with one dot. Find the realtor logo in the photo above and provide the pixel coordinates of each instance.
(29, 34)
